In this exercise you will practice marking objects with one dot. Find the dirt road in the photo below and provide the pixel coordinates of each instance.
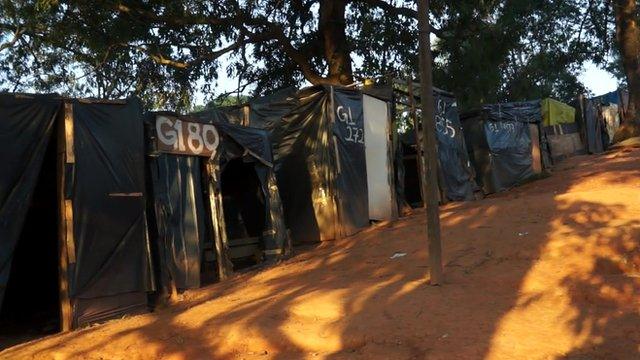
(550, 270)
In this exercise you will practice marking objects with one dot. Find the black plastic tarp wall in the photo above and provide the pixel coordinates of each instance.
(592, 122)
(111, 274)
(593, 128)
(234, 114)
(26, 125)
(108, 267)
(459, 183)
(456, 175)
(351, 181)
(320, 164)
(266, 112)
(179, 184)
(501, 143)
(179, 217)
(263, 112)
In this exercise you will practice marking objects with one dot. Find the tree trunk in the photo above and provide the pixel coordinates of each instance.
(628, 36)
(332, 28)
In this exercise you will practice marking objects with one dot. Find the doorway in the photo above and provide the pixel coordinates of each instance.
(31, 303)
(244, 212)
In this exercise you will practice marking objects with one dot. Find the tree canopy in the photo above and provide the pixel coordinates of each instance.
(165, 50)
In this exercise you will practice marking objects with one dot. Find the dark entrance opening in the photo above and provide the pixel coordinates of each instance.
(244, 212)
(412, 185)
(31, 303)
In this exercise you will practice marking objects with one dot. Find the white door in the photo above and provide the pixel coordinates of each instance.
(377, 128)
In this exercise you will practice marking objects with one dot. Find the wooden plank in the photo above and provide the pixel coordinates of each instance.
(66, 315)
(583, 123)
(222, 229)
(244, 241)
(70, 157)
(244, 251)
(246, 114)
(621, 110)
(217, 220)
(103, 101)
(70, 241)
(535, 148)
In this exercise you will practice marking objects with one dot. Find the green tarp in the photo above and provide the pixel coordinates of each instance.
(555, 112)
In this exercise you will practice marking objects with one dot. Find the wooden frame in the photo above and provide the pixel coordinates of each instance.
(66, 244)
(225, 268)
(536, 154)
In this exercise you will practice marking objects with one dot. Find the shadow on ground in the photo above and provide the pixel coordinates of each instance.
(550, 270)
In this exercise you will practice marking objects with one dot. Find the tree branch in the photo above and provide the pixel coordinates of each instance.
(275, 32)
(184, 20)
(239, 20)
(17, 34)
(395, 10)
(246, 37)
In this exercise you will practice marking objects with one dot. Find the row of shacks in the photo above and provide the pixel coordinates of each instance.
(104, 206)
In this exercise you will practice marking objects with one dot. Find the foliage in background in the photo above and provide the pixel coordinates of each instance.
(519, 50)
(164, 50)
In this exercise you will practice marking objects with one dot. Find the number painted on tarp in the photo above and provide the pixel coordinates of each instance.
(354, 134)
(497, 127)
(443, 125)
(183, 137)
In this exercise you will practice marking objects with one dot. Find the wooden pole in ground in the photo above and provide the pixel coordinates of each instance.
(429, 145)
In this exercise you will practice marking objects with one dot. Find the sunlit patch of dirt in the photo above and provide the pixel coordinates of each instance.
(549, 270)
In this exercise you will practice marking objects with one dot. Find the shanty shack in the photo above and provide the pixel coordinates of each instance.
(320, 159)
(455, 174)
(599, 118)
(214, 197)
(333, 158)
(73, 241)
(562, 131)
(506, 144)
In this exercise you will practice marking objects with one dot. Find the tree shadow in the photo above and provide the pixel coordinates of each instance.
(548, 270)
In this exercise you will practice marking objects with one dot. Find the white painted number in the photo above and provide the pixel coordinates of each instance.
(443, 125)
(211, 137)
(194, 136)
(166, 136)
(180, 145)
(497, 127)
(199, 137)
(355, 133)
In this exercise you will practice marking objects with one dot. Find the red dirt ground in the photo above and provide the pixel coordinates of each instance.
(550, 270)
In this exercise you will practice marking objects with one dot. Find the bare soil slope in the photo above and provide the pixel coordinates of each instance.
(550, 270)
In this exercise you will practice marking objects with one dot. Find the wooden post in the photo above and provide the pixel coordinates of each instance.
(66, 253)
(329, 140)
(583, 124)
(429, 145)
(442, 190)
(217, 221)
(246, 115)
(621, 110)
(419, 153)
